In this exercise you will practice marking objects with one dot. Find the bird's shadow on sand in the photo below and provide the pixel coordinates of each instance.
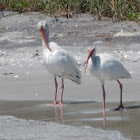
(70, 103)
(127, 108)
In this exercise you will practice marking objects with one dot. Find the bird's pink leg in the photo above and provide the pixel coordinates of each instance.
(62, 90)
(121, 103)
(103, 98)
(55, 102)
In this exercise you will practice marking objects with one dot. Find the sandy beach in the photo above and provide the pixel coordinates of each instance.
(26, 88)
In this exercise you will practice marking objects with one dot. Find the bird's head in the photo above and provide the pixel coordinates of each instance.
(43, 27)
(90, 53)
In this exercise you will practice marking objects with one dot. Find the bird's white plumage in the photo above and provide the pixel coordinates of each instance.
(60, 63)
(106, 67)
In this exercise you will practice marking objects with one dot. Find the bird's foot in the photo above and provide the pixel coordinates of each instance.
(120, 107)
(60, 104)
(54, 103)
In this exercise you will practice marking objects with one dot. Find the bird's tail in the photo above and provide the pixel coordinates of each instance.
(128, 76)
(75, 78)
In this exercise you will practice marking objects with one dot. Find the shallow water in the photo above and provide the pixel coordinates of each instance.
(75, 120)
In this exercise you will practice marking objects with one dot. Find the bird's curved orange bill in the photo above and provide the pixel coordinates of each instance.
(44, 37)
(89, 55)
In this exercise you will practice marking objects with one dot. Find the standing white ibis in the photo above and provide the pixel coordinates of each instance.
(57, 61)
(106, 67)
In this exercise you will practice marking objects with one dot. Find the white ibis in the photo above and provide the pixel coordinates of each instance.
(106, 67)
(57, 61)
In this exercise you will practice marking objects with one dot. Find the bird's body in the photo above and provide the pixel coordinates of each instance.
(60, 63)
(106, 67)
(57, 61)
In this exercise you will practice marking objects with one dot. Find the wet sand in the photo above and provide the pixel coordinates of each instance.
(26, 88)
(28, 96)
(38, 84)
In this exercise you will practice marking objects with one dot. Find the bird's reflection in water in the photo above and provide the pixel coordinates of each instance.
(104, 118)
(108, 117)
(61, 114)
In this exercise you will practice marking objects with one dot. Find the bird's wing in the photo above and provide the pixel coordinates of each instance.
(66, 65)
(112, 67)
(54, 46)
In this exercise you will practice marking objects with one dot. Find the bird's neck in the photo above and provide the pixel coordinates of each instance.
(93, 60)
(93, 57)
(47, 36)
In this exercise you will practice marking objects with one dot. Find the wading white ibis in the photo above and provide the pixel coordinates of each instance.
(58, 61)
(106, 67)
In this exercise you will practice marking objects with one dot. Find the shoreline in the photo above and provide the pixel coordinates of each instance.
(77, 114)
